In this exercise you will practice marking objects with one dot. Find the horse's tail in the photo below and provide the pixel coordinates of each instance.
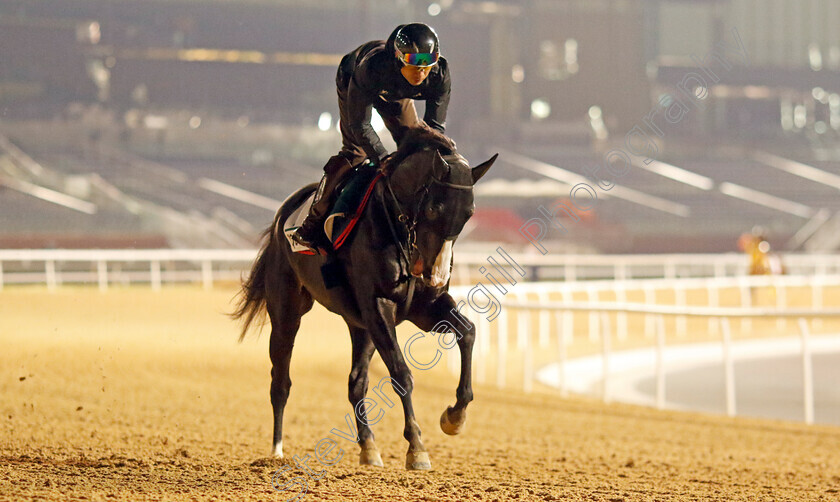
(251, 304)
(252, 296)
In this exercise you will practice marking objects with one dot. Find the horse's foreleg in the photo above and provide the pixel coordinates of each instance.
(357, 390)
(453, 418)
(443, 316)
(381, 319)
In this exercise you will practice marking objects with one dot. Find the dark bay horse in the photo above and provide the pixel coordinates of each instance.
(394, 267)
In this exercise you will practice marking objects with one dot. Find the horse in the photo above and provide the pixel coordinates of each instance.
(395, 267)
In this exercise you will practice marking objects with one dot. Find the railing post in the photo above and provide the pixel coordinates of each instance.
(746, 302)
(820, 269)
(527, 356)
(486, 328)
(102, 275)
(670, 270)
(568, 326)
(817, 298)
(592, 296)
(155, 275)
(650, 299)
(621, 317)
(544, 320)
(680, 301)
(720, 268)
(482, 341)
(807, 373)
(569, 272)
(49, 269)
(207, 274)
(605, 357)
(561, 350)
(728, 367)
(713, 294)
(620, 271)
(781, 302)
(660, 362)
(501, 353)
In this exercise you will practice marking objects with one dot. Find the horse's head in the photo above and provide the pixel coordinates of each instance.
(434, 186)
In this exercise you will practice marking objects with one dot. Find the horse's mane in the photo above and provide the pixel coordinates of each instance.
(420, 138)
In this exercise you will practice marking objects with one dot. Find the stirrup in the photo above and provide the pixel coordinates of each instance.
(311, 236)
(300, 240)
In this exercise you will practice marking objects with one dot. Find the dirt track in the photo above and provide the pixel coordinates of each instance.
(134, 395)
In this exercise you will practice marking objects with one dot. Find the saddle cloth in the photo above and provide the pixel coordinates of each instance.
(343, 216)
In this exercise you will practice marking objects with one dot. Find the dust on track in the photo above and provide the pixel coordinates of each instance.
(136, 395)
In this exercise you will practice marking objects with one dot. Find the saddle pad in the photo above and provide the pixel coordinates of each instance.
(294, 221)
(350, 205)
(344, 215)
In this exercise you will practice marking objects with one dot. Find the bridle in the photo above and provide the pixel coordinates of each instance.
(408, 221)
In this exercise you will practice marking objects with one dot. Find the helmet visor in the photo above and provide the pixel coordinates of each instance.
(419, 58)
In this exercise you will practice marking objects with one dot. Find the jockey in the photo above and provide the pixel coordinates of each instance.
(388, 76)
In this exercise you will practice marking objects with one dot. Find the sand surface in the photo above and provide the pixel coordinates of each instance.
(136, 395)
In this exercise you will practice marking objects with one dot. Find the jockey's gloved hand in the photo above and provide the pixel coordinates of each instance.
(387, 164)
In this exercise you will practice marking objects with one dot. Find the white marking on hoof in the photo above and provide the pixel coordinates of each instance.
(369, 456)
(418, 461)
(278, 450)
(452, 425)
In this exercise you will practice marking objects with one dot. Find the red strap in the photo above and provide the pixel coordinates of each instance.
(341, 238)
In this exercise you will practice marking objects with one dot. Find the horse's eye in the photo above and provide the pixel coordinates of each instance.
(433, 211)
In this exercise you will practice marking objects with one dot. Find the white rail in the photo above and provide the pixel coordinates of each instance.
(570, 267)
(49, 266)
(106, 266)
(712, 288)
(525, 311)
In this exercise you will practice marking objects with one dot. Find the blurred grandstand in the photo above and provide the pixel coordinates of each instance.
(185, 123)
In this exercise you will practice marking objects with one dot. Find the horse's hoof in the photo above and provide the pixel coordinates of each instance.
(452, 422)
(417, 461)
(278, 450)
(370, 457)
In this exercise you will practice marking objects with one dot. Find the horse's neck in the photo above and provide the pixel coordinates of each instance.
(406, 185)
(383, 216)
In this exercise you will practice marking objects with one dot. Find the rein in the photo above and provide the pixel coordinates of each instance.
(404, 254)
(402, 217)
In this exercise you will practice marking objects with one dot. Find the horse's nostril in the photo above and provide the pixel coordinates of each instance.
(417, 267)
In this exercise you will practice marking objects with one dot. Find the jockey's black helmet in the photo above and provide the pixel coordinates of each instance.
(419, 39)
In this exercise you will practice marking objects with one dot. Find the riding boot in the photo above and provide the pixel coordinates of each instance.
(311, 232)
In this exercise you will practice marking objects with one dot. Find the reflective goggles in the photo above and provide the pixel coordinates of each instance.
(421, 59)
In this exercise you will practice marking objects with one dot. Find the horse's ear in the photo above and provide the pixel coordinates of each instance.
(440, 167)
(479, 170)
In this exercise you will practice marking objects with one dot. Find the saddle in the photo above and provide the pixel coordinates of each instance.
(345, 213)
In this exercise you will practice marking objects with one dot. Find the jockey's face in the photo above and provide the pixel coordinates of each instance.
(415, 75)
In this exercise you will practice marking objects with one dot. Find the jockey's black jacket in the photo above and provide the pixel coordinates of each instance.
(371, 76)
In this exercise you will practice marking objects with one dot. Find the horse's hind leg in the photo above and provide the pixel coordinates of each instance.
(285, 308)
(357, 389)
